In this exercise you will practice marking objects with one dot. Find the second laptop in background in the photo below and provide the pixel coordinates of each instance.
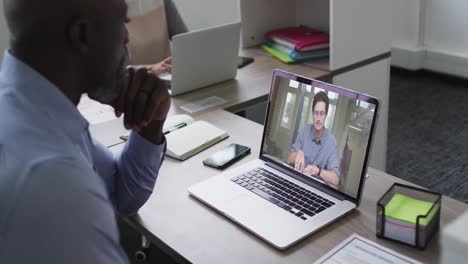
(204, 57)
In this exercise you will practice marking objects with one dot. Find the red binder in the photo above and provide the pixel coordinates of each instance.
(299, 38)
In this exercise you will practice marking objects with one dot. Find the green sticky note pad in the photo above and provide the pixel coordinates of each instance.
(405, 208)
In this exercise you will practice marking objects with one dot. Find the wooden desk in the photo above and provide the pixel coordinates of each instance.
(251, 86)
(191, 232)
(183, 226)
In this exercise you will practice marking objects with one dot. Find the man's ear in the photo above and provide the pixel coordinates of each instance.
(79, 35)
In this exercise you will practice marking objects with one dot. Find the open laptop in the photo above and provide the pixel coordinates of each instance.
(204, 57)
(279, 203)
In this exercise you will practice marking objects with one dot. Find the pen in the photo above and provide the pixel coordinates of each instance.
(181, 125)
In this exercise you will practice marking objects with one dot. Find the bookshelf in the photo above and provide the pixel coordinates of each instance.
(357, 31)
(360, 43)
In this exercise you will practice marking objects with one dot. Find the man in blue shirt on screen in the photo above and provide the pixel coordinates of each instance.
(59, 188)
(314, 150)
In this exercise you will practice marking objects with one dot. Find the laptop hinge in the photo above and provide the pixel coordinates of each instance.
(314, 184)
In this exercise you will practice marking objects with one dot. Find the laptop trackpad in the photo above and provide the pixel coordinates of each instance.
(247, 207)
(264, 219)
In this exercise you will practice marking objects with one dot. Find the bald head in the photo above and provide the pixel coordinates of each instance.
(44, 22)
(76, 44)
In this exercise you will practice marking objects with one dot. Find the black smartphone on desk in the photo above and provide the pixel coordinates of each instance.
(227, 156)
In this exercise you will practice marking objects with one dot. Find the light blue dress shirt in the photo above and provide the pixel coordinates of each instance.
(59, 188)
(320, 152)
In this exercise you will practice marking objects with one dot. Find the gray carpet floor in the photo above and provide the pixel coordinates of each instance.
(428, 131)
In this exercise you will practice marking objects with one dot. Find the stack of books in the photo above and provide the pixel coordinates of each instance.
(297, 44)
(401, 215)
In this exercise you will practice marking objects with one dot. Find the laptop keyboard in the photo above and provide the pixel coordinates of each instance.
(283, 193)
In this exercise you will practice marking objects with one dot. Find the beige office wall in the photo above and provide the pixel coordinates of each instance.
(4, 33)
(148, 32)
(139, 7)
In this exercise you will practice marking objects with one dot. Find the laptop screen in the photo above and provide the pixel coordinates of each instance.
(319, 131)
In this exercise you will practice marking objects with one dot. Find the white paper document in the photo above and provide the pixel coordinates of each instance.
(203, 104)
(359, 250)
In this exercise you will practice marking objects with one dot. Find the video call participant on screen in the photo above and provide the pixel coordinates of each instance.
(314, 150)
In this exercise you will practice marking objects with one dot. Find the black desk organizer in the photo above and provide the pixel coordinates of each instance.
(422, 234)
